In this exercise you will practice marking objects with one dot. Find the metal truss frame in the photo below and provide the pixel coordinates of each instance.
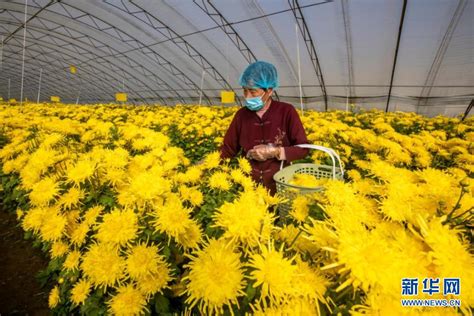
(228, 29)
(297, 12)
(437, 61)
(152, 21)
(106, 49)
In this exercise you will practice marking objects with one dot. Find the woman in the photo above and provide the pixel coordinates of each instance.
(265, 130)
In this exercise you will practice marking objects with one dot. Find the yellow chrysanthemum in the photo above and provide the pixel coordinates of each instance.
(354, 175)
(53, 226)
(172, 218)
(127, 198)
(118, 227)
(83, 170)
(307, 181)
(72, 260)
(72, 218)
(34, 218)
(294, 306)
(440, 187)
(450, 255)
(51, 140)
(80, 291)
(146, 186)
(193, 195)
(321, 233)
(127, 301)
(154, 283)
(247, 219)
(53, 299)
(296, 240)
(390, 251)
(192, 175)
(237, 175)
(102, 265)
(346, 208)
(42, 159)
(43, 192)
(115, 176)
(274, 273)
(117, 158)
(143, 260)
(29, 176)
(79, 234)
(191, 237)
(91, 214)
(218, 180)
(309, 282)
(71, 198)
(58, 248)
(300, 208)
(244, 165)
(212, 160)
(215, 278)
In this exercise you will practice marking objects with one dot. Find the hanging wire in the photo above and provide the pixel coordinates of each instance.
(80, 89)
(78, 95)
(39, 86)
(347, 98)
(299, 67)
(228, 60)
(202, 83)
(23, 61)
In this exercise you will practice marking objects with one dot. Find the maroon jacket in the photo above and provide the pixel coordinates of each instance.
(280, 125)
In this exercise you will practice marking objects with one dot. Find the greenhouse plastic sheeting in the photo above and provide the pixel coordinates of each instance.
(161, 51)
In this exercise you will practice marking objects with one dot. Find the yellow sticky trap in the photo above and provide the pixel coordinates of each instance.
(227, 97)
(121, 97)
(12, 101)
(55, 98)
(72, 69)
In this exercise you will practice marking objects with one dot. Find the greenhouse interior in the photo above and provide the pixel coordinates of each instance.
(236, 157)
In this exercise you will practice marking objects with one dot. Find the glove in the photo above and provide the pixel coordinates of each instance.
(263, 152)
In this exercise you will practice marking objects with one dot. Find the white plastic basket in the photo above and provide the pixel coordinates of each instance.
(290, 191)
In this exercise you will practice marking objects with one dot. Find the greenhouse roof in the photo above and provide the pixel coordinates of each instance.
(390, 55)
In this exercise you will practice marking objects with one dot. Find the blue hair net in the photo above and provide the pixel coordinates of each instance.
(259, 74)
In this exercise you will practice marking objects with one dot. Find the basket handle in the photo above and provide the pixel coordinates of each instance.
(328, 151)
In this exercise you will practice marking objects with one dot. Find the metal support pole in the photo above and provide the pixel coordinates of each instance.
(347, 99)
(202, 82)
(402, 19)
(78, 95)
(39, 86)
(469, 107)
(23, 61)
(299, 67)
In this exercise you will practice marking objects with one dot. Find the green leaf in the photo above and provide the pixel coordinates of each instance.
(162, 304)
(166, 252)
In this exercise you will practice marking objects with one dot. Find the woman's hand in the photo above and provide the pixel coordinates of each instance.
(263, 152)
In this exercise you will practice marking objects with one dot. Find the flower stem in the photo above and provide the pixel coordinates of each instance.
(460, 215)
(458, 203)
(296, 237)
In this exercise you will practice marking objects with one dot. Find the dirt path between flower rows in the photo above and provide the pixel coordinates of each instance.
(20, 292)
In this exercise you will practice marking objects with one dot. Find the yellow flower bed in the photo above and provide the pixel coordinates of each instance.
(133, 226)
